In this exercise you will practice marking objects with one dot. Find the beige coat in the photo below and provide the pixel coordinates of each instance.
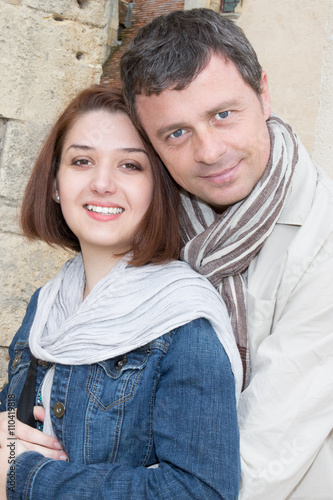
(286, 413)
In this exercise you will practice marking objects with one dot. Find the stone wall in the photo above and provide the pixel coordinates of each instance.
(289, 38)
(49, 50)
(323, 136)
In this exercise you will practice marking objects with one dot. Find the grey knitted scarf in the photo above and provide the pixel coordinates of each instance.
(222, 246)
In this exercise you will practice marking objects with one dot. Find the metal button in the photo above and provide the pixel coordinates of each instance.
(59, 410)
(120, 363)
(17, 359)
(42, 363)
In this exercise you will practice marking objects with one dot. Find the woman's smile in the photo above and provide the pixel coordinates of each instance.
(105, 182)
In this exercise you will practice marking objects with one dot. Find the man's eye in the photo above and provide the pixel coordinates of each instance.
(177, 133)
(223, 115)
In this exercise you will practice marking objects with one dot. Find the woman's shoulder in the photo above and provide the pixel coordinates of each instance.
(197, 358)
(23, 332)
(197, 341)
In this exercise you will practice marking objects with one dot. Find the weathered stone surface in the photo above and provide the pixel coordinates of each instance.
(112, 13)
(323, 143)
(9, 216)
(91, 12)
(13, 2)
(20, 147)
(289, 39)
(24, 267)
(3, 123)
(4, 358)
(215, 5)
(196, 4)
(55, 58)
(100, 13)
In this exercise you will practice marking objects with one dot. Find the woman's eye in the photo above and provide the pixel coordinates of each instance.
(223, 115)
(83, 162)
(129, 166)
(177, 133)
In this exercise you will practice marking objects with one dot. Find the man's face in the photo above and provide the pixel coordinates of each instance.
(212, 136)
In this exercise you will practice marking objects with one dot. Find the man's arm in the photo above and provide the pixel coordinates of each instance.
(286, 413)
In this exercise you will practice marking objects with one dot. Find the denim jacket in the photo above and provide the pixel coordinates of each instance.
(171, 402)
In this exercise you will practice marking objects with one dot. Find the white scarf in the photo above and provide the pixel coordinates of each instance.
(127, 309)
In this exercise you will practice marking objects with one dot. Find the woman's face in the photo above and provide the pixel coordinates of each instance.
(105, 181)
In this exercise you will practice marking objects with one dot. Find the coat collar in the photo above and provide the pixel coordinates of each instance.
(299, 202)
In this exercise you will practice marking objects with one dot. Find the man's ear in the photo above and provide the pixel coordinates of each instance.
(265, 97)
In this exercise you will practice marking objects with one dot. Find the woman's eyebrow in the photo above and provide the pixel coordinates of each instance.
(122, 150)
(132, 150)
(80, 146)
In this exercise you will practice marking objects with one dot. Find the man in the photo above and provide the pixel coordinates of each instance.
(257, 220)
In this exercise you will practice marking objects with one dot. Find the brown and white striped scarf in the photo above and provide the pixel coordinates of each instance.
(222, 246)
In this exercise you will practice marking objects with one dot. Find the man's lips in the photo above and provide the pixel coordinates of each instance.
(224, 175)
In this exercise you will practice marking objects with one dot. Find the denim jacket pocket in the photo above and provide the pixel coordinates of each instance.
(112, 382)
(19, 367)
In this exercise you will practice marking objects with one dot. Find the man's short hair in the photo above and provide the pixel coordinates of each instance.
(173, 49)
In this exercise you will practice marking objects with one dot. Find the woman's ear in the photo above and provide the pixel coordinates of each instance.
(55, 194)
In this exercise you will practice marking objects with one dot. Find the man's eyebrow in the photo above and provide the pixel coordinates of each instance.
(169, 129)
(222, 106)
(218, 108)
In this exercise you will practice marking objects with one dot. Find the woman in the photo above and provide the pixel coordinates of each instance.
(135, 359)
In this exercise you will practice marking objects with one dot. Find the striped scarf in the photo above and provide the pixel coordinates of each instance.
(222, 246)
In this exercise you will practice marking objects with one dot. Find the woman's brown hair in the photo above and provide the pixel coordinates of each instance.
(157, 238)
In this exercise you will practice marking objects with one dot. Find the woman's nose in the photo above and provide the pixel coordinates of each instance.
(103, 181)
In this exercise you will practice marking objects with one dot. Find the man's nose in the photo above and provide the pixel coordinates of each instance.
(208, 146)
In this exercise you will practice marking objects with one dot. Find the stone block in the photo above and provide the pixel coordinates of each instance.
(24, 267)
(3, 123)
(92, 12)
(279, 32)
(45, 60)
(20, 148)
(9, 216)
(13, 2)
(196, 4)
(4, 359)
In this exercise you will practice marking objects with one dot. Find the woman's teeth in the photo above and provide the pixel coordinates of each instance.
(105, 210)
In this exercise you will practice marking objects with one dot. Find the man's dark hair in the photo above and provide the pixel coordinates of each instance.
(173, 49)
